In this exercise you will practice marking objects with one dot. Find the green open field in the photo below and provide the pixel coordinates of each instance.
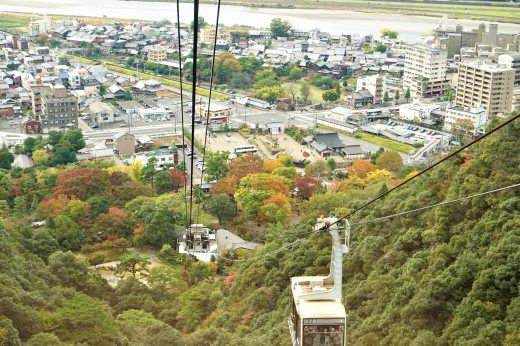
(9, 21)
(315, 91)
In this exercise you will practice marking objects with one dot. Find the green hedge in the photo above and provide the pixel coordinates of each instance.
(198, 144)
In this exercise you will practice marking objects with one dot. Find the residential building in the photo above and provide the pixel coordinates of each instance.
(6, 111)
(59, 109)
(101, 113)
(28, 81)
(511, 61)
(32, 126)
(454, 38)
(237, 36)
(74, 80)
(477, 115)
(125, 143)
(374, 84)
(425, 70)
(208, 34)
(36, 99)
(360, 98)
(157, 53)
(338, 114)
(215, 113)
(163, 156)
(480, 83)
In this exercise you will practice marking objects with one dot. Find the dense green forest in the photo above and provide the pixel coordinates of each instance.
(445, 276)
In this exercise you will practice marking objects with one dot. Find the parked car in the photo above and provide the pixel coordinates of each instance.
(95, 126)
(228, 134)
(12, 123)
(20, 117)
(217, 100)
(423, 130)
(429, 132)
(214, 135)
(122, 125)
(86, 118)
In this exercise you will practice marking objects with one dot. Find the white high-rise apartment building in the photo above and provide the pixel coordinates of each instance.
(425, 70)
(480, 83)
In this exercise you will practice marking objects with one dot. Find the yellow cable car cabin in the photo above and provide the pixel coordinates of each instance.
(317, 315)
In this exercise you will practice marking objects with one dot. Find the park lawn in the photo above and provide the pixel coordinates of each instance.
(315, 91)
(387, 143)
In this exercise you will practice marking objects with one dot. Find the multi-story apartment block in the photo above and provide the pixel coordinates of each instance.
(208, 34)
(480, 83)
(425, 70)
(477, 115)
(157, 54)
(374, 84)
(36, 99)
(511, 61)
(74, 80)
(60, 110)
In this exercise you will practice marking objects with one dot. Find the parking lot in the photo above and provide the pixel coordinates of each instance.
(222, 142)
(414, 133)
(12, 126)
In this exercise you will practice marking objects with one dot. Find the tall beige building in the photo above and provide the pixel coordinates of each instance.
(425, 70)
(157, 54)
(208, 34)
(480, 83)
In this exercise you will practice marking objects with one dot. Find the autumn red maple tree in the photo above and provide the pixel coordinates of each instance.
(83, 183)
(305, 187)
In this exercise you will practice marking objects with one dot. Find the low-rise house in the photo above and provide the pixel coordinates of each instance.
(125, 143)
(338, 114)
(6, 111)
(360, 98)
(32, 126)
(22, 161)
(101, 112)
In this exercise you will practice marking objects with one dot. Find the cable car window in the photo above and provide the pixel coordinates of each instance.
(323, 334)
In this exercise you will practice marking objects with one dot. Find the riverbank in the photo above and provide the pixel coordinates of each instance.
(497, 12)
(411, 19)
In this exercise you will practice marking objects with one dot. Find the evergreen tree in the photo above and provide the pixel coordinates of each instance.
(34, 203)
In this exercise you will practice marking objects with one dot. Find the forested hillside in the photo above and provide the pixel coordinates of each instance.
(445, 276)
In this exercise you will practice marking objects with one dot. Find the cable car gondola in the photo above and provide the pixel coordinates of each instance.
(316, 312)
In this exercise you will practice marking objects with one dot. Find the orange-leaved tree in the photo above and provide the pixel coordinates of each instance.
(361, 168)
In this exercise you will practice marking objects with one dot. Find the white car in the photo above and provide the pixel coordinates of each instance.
(163, 119)
(217, 100)
(19, 142)
(122, 125)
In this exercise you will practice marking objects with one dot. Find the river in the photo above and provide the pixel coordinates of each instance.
(333, 22)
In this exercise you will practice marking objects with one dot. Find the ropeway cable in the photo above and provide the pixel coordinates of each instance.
(194, 93)
(285, 247)
(366, 222)
(425, 170)
(182, 113)
(209, 104)
(432, 206)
